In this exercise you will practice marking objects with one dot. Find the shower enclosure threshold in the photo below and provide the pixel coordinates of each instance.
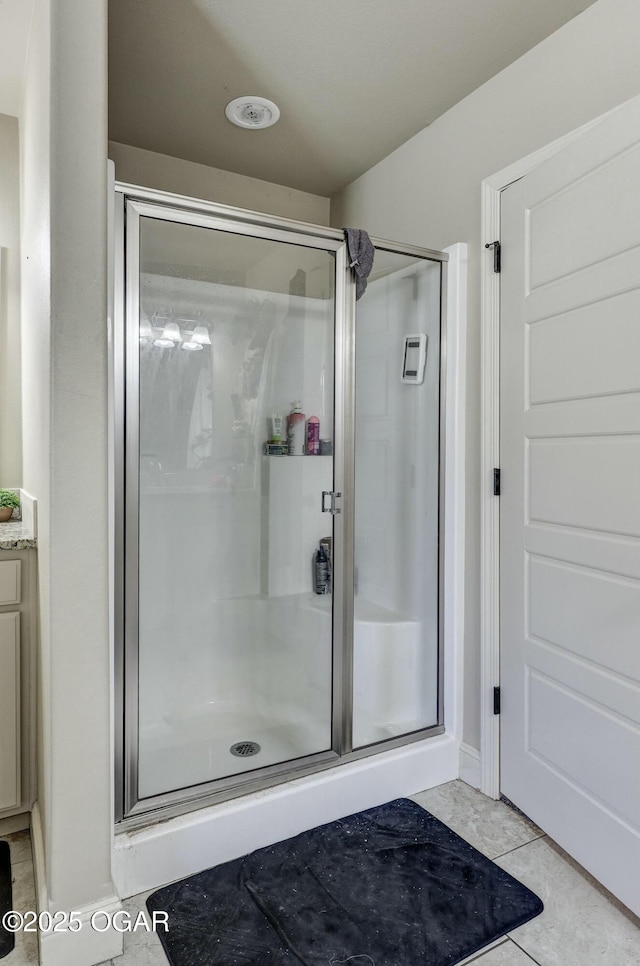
(164, 850)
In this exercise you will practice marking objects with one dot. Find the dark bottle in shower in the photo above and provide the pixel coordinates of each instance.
(322, 571)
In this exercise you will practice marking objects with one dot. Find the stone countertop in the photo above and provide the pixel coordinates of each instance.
(15, 535)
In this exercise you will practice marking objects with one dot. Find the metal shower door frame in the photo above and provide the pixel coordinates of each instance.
(132, 203)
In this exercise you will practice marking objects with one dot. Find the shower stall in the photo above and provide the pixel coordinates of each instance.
(233, 673)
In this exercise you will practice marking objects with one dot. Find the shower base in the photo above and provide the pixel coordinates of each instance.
(281, 699)
(190, 749)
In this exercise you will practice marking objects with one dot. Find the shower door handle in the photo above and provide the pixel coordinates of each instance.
(333, 496)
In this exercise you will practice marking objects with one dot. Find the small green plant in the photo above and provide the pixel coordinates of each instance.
(7, 498)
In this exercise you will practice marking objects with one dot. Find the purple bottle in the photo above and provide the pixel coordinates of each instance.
(313, 436)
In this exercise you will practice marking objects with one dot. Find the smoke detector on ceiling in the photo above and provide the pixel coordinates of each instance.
(252, 112)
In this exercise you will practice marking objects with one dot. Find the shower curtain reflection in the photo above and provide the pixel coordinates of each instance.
(176, 418)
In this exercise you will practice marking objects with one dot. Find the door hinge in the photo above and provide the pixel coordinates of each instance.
(497, 249)
(496, 700)
(496, 482)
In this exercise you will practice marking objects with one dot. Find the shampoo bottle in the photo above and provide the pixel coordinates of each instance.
(295, 430)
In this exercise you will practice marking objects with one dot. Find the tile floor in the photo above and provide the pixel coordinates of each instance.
(582, 925)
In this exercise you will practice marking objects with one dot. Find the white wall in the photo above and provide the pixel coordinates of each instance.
(80, 831)
(428, 193)
(36, 341)
(10, 406)
(64, 275)
(151, 170)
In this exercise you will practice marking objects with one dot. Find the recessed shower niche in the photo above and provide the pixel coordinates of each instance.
(278, 607)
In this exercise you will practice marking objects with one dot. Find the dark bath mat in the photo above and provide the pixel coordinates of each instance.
(391, 886)
(7, 939)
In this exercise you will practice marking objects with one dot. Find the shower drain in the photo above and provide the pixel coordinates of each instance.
(244, 749)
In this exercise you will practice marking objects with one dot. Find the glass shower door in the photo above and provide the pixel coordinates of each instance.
(229, 643)
(397, 505)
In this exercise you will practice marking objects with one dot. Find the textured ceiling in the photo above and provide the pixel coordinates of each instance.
(354, 79)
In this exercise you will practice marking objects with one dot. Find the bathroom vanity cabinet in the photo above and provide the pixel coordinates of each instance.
(17, 681)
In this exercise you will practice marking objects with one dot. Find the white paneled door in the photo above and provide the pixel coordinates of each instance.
(570, 504)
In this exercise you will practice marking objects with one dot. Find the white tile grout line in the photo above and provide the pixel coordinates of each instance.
(537, 838)
(525, 951)
(476, 957)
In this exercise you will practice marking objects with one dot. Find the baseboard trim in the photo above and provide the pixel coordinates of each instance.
(470, 771)
(86, 947)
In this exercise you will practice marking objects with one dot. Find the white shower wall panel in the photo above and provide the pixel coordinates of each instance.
(203, 532)
(292, 520)
(397, 465)
(183, 568)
